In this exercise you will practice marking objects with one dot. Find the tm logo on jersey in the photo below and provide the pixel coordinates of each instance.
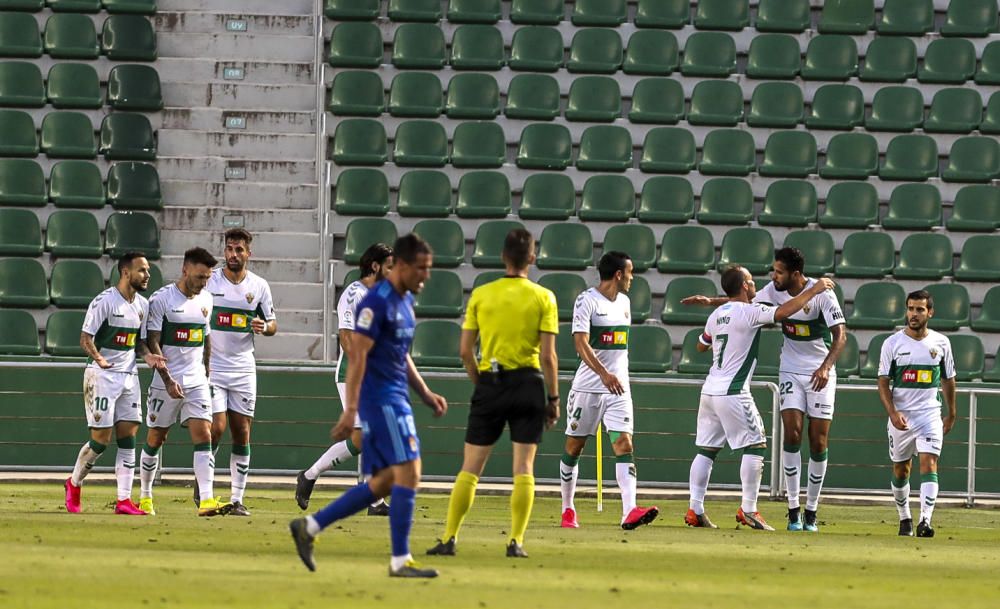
(231, 320)
(124, 339)
(917, 376)
(797, 329)
(614, 338)
(185, 335)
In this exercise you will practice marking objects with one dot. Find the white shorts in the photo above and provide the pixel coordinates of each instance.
(796, 393)
(110, 397)
(585, 410)
(729, 418)
(342, 391)
(925, 435)
(236, 391)
(163, 410)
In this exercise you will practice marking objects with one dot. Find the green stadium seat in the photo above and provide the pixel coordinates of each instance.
(62, 334)
(906, 17)
(18, 333)
(129, 38)
(641, 300)
(948, 61)
(954, 111)
(362, 232)
(435, 344)
(770, 343)
(536, 49)
(352, 276)
(636, 240)
(17, 134)
(425, 194)
(70, 36)
(356, 93)
(420, 143)
(132, 186)
(128, 136)
(419, 45)
(889, 59)
(569, 360)
(545, 146)
(836, 107)
(137, 7)
(970, 18)
(951, 306)
(657, 100)
(359, 141)
(653, 52)
(980, 259)
(19, 35)
(666, 199)
(489, 243)
(878, 306)
(484, 277)
(649, 350)
(565, 246)
(22, 183)
(789, 203)
(680, 288)
(478, 144)
(416, 94)
(792, 16)
(73, 85)
(896, 108)
(988, 319)
(477, 47)
(547, 196)
(483, 194)
(607, 198)
(474, 96)
(867, 254)
(851, 156)
(533, 97)
(441, 295)
(910, 157)
(726, 201)
(474, 11)
(850, 359)
(132, 231)
(924, 256)
(23, 284)
(728, 152)
(351, 9)
(776, 104)
(78, 184)
(790, 154)
(74, 6)
(668, 150)
(537, 12)
(716, 102)
(68, 134)
(595, 50)
(973, 159)
(817, 248)
(993, 375)
(913, 207)
(847, 17)
(830, 57)
(75, 283)
(30, 6)
(722, 15)
(873, 355)
(686, 249)
(20, 233)
(73, 234)
(774, 56)
(671, 14)
(709, 54)
(414, 10)
(594, 99)
(968, 354)
(134, 87)
(361, 192)
(693, 361)
(446, 239)
(599, 12)
(989, 65)
(355, 45)
(21, 85)
(605, 148)
(976, 209)
(991, 117)
(751, 248)
(566, 287)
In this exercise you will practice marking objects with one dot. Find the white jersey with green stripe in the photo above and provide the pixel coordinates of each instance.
(733, 333)
(807, 333)
(346, 308)
(184, 325)
(234, 307)
(116, 324)
(915, 369)
(607, 322)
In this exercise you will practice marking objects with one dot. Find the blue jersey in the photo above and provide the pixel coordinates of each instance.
(387, 318)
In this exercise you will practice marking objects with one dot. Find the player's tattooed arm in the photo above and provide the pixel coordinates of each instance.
(948, 388)
(207, 355)
(153, 361)
(173, 388)
(88, 346)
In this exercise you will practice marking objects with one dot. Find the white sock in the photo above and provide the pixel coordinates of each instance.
(147, 471)
(239, 470)
(751, 469)
(334, 456)
(901, 493)
(567, 480)
(791, 463)
(204, 473)
(625, 473)
(125, 471)
(701, 472)
(398, 562)
(312, 527)
(85, 461)
(928, 497)
(817, 472)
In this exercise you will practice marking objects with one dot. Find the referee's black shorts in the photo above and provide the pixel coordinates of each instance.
(514, 397)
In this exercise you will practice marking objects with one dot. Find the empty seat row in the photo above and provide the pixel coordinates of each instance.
(74, 283)
(72, 36)
(137, 7)
(68, 134)
(76, 85)
(76, 234)
(130, 185)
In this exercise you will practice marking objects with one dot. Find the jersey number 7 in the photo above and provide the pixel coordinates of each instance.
(722, 350)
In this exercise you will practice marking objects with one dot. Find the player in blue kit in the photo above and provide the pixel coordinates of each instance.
(379, 376)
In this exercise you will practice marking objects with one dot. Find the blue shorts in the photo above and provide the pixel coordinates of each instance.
(389, 436)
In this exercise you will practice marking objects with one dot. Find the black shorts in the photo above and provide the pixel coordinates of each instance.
(516, 398)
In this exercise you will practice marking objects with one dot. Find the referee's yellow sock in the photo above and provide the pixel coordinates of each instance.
(521, 501)
(462, 496)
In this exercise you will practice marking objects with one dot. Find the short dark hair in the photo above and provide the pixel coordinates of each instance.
(200, 255)
(517, 247)
(377, 253)
(922, 295)
(239, 234)
(610, 263)
(732, 280)
(792, 258)
(125, 262)
(409, 246)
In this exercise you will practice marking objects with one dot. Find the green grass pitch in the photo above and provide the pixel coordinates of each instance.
(175, 559)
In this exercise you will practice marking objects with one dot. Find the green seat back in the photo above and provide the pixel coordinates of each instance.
(792, 16)
(134, 87)
(362, 233)
(878, 306)
(789, 203)
(652, 52)
(424, 194)
(419, 45)
(533, 97)
(910, 157)
(954, 110)
(420, 143)
(673, 14)
(666, 199)
(134, 186)
(980, 259)
(359, 141)
(906, 17)
(817, 248)
(607, 198)
(68, 134)
(355, 45)
(924, 256)
(599, 12)
(789, 154)
(836, 107)
(565, 246)
(889, 59)
(830, 57)
(693, 361)
(948, 61)
(128, 37)
(73, 234)
(668, 150)
(22, 183)
(636, 240)
(847, 17)
(722, 15)
(78, 184)
(913, 207)
(74, 6)
(478, 144)
(21, 85)
(569, 360)
(441, 295)
(474, 11)
(973, 159)
(976, 208)
(489, 243)
(969, 357)
(23, 283)
(127, 136)
(989, 312)
(896, 108)
(139, 7)
(728, 152)
(605, 148)
(850, 359)
(19, 35)
(566, 287)
(414, 10)
(547, 196)
(545, 146)
(18, 333)
(716, 102)
(680, 288)
(850, 205)
(970, 18)
(537, 12)
(686, 249)
(873, 355)
(773, 56)
(709, 54)
(446, 239)
(17, 133)
(20, 233)
(657, 100)
(867, 254)
(776, 104)
(640, 299)
(477, 47)
(726, 201)
(75, 283)
(850, 155)
(989, 65)
(62, 334)
(361, 192)
(649, 350)
(751, 248)
(128, 231)
(73, 85)
(536, 49)
(483, 194)
(356, 93)
(595, 50)
(594, 99)
(70, 36)
(951, 306)
(472, 96)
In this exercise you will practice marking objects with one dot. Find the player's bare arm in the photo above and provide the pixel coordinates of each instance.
(88, 346)
(357, 358)
(550, 370)
(153, 361)
(948, 388)
(467, 351)
(702, 347)
(266, 328)
(437, 402)
(705, 301)
(897, 418)
(822, 374)
(173, 388)
(795, 305)
(207, 356)
(581, 340)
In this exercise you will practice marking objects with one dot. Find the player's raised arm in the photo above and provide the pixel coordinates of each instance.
(704, 301)
(795, 305)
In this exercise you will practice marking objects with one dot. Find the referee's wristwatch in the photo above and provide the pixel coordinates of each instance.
(553, 398)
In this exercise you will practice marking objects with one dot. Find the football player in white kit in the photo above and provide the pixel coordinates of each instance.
(602, 317)
(375, 264)
(727, 412)
(178, 328)
(242, 308)
(916, 364)
(112, 335)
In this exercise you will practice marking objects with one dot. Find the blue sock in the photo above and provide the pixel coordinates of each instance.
(401, 518)
(351, 502)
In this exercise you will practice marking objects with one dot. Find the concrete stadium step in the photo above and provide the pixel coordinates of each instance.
(286, 7)
(289, 346)
(265, 244)
(297, 295)
(300, 321)
(199, 69)
(237, 196)
(190, 22)
(176, 217)
(236, 46)
(213, 169)
(172, 142)
(238, 121)
(288, 269)
(234, 96)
